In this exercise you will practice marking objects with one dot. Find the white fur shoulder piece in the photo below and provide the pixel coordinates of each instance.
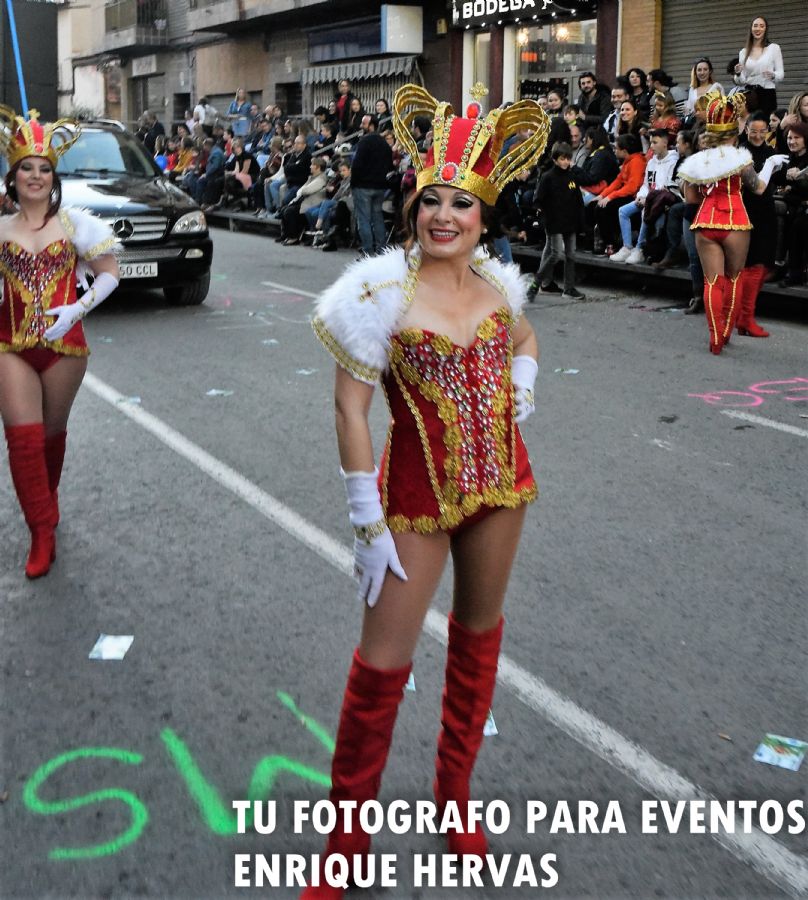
(88, 234)
(355, 317)
(507, 278)
(708, 166)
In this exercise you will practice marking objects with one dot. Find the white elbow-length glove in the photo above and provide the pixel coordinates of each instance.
(374, 548)
(523, 375)
(68, 315)
(772, 164)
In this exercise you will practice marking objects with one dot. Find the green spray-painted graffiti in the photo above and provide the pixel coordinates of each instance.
(216, 813)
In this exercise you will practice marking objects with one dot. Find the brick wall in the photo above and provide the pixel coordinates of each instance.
(641, 37)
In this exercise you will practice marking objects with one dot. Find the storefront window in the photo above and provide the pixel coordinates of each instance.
(482, 48)
(548, 55)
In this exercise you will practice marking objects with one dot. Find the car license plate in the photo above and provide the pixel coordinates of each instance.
(138, 270)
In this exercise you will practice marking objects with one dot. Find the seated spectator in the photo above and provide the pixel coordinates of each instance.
(512, 216)
(182, 131)
(241, 170)
(795, 195)
(555, 103)
(259, 147)
(637, 82)
(797, 112)
(630, 122)
(384, 116)
(272, 165)
(334, 214)
(701, 83)
(390, 137)
(186, 157)
(776, 138)
(658, 177)
(622, 190)
(172, 154)
(675, 226)
(664, 117)
(572, 113)
(599, 168)
(160, 152)
(659, 80)
(327, 137)
(296, 171)
(619, 94)
(579, 149)
(353, 124)
(308, 196)
(311, 136)
(594, 101)
(209, 186)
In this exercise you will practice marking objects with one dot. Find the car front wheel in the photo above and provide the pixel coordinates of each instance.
(190, 294)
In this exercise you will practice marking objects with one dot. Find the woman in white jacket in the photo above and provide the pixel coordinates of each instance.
(760, 66)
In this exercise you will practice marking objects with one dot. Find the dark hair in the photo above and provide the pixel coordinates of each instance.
(631, 143)
(642, 75)
(661, 76)
(689, 138)
(597, 134)
(321, 111)
(409, 215)
(758, 117)
(561, 148)
(750, 40)
(560, 94)
(55, 195)
(634, 127)
(372, 120)
(658, 132)
(422, 123)
(386, 105)
(319, 162)
(574, 107)
(587, 75)
(800, 128)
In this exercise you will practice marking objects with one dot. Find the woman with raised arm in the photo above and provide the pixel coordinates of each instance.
(43, 353)
(714, 178)
(439, 322)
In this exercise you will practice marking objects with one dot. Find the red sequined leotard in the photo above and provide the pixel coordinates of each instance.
(32, 284)
(453, 449)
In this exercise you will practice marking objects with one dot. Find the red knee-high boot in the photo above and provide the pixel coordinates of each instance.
(26, 457)
(54, 459)
(753, 278)
(733, 296)
(714, 310)
(471, 673)
(366, 723)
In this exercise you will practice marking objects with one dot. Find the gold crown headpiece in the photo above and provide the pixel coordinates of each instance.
(723, 112)
(466, 152)
(21, 138)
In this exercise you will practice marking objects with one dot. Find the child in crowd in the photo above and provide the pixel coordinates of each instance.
(560, 200)
(658, 175)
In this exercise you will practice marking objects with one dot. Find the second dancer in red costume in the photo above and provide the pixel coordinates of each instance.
(715, 177)
(440, 323)
(43, 353)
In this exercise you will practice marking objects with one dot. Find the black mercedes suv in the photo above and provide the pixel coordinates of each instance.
(163, 231)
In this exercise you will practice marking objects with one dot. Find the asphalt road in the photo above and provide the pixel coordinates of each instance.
(656, 625)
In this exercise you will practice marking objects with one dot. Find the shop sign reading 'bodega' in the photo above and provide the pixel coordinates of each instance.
(491, 12)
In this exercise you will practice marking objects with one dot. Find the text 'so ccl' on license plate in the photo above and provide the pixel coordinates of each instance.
(138, 270)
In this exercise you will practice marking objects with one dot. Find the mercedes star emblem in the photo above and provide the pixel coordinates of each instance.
(123, 229)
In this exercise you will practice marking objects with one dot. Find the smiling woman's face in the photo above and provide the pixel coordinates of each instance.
(34, 179)
(449, 222)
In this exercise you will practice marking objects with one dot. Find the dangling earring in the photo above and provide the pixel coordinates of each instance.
(485, 231)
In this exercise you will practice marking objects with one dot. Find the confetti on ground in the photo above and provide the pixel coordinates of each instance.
(725, 737)
(787, 753)
(216, 392)
(111, 646)
(490, 727)
(104, 340)
(566, 371)
(270, 342)
(306, 371)
(410, 685)
(4, 797)
(132, 401)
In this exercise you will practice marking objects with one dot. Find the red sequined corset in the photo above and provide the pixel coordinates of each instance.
(722, 206)
(453, 446)
(32, 284)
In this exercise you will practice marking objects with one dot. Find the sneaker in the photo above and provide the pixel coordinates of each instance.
(551, 288)
(635, 258)
(573, 294)
(621, 255)
(531, 291)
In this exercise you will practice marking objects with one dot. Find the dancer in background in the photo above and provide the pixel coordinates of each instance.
(714, 178)
(43, 353)
(440, 323)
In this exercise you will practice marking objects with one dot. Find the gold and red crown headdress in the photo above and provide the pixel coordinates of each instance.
(722, 112)
(21, 138)
(466, 152)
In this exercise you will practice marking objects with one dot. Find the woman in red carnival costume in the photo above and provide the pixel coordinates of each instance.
(43, 353)
(439, 322)
(714, 178)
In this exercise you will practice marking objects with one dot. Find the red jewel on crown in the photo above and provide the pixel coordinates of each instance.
(448, 172)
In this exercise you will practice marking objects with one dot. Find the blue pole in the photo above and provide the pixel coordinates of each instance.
(16, 45)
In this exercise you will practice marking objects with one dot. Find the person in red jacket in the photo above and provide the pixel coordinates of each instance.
(622, 190)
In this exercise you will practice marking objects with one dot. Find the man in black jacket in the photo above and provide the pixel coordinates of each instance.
(296, 168)
(595, 99)
(372, 162)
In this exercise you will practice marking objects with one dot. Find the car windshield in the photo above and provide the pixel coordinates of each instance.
(107, 153)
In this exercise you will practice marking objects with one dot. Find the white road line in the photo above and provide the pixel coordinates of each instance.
(767, 856)
(762, 420)
(289, 288)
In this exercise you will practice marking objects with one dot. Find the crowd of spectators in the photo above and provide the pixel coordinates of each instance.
(341, 178)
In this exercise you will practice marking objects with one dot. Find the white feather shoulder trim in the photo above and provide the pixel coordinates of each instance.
(355, 317)
(507, 278)
(708, 166)
(89, 235)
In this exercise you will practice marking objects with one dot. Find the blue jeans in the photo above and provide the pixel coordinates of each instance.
(502, 248)
(370, 218)
(624, 215)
